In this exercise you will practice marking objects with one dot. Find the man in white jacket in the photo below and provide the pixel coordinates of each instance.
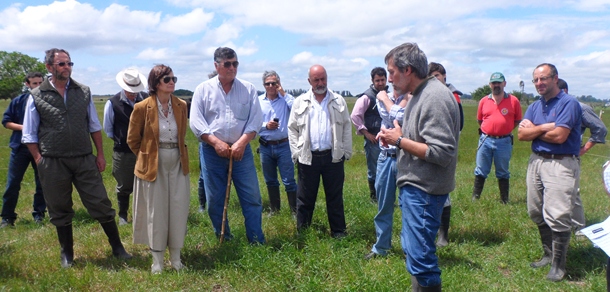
(320, 135)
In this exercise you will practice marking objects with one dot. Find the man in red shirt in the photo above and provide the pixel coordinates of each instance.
(498, 114)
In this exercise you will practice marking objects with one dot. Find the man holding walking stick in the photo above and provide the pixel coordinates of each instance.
(226, 115)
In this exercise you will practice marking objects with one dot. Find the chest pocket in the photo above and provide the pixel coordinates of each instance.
(240, 108)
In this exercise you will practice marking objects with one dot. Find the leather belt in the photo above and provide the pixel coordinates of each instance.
(554, 156)
(498, 137)
(168, 145)
(392, 155)
(271, 142)
(320, 153)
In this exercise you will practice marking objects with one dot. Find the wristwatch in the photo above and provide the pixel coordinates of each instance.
(397, 144)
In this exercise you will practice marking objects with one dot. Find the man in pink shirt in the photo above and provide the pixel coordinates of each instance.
(367, 121)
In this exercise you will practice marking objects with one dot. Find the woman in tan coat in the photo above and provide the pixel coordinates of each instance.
(156, 134)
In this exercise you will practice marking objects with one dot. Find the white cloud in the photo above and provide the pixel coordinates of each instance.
(193, 22)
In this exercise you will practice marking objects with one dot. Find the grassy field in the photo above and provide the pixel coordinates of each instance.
(491, 245)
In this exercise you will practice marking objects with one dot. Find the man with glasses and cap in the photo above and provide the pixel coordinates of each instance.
(60, 122)
(226, 115)
(116, 122)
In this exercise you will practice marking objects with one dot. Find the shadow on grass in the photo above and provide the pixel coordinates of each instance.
(485, 237)
(110, 263)
(7, 267)
(584, 259)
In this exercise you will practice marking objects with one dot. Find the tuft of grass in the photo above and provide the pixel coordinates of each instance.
(491, 244)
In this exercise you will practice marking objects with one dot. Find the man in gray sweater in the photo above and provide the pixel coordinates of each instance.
(427, 159)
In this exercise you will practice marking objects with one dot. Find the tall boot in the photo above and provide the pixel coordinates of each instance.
(292, 201)
(174, 259)
(114, 239)
(546, 237)
(274, 198)
(373, 192)
(504, 187)
(443, 230)
(157, 265)
(415, 287)
(66, 242)
(561, 242)
(123, 201)
(479, 182)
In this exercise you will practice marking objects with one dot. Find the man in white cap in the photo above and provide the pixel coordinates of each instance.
(116, 121)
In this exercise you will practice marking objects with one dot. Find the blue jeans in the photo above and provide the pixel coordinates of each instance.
(385, 185)
(215, 174)
(497, 151)
(18, 165)
(371, 151)
(421, 216)
(201, 185)
(274, 157)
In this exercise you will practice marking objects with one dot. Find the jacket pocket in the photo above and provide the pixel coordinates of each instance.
(142, 163)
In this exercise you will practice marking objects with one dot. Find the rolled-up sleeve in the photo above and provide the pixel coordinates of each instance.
(31, 121)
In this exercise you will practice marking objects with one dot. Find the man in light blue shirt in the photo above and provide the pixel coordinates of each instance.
(226, 115)
(273, 138)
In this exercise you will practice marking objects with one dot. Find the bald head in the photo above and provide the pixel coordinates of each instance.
(317, 79)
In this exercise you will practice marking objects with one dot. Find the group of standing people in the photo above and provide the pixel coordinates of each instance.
(411, 145)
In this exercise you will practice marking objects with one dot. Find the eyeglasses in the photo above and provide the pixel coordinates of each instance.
(167, 79)
(543, 79)
(270, 84)
(62, 64)
(228, 64)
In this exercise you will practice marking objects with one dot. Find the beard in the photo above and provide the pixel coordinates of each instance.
(497, 90)
(319, 90)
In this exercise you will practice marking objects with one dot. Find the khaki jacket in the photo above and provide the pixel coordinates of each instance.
(143, 136)
(298, 128)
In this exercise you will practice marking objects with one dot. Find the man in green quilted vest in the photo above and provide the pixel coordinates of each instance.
(59, 123)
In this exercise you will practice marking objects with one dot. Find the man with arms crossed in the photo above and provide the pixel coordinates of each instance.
(552, 123)
(427, 159)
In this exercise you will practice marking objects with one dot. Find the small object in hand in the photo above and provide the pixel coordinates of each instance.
(277, 120)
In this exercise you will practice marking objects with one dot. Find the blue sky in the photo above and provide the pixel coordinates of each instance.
(471, 38)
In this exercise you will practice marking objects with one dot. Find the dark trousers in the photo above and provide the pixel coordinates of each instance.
(333, 176)
(17, 166)
(58, 175)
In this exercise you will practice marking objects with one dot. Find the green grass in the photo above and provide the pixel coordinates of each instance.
(491, 245)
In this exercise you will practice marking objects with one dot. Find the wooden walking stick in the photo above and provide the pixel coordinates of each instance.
(224, 211)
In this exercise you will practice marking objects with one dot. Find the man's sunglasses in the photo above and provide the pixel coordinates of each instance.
(166, 79)
(270, 84)
(61, 64)
(228, 64)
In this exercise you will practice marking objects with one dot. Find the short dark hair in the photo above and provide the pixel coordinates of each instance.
(32, 75)
(562, 84)
(49, 58)
(436, 67)
(551, 66)
(270, 73)
(409, 55)
(378, 71)
(154, 77)
(224, 53)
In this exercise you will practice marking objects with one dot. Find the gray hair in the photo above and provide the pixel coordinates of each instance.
(409, 55)
(270, 73)
(224, 53)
